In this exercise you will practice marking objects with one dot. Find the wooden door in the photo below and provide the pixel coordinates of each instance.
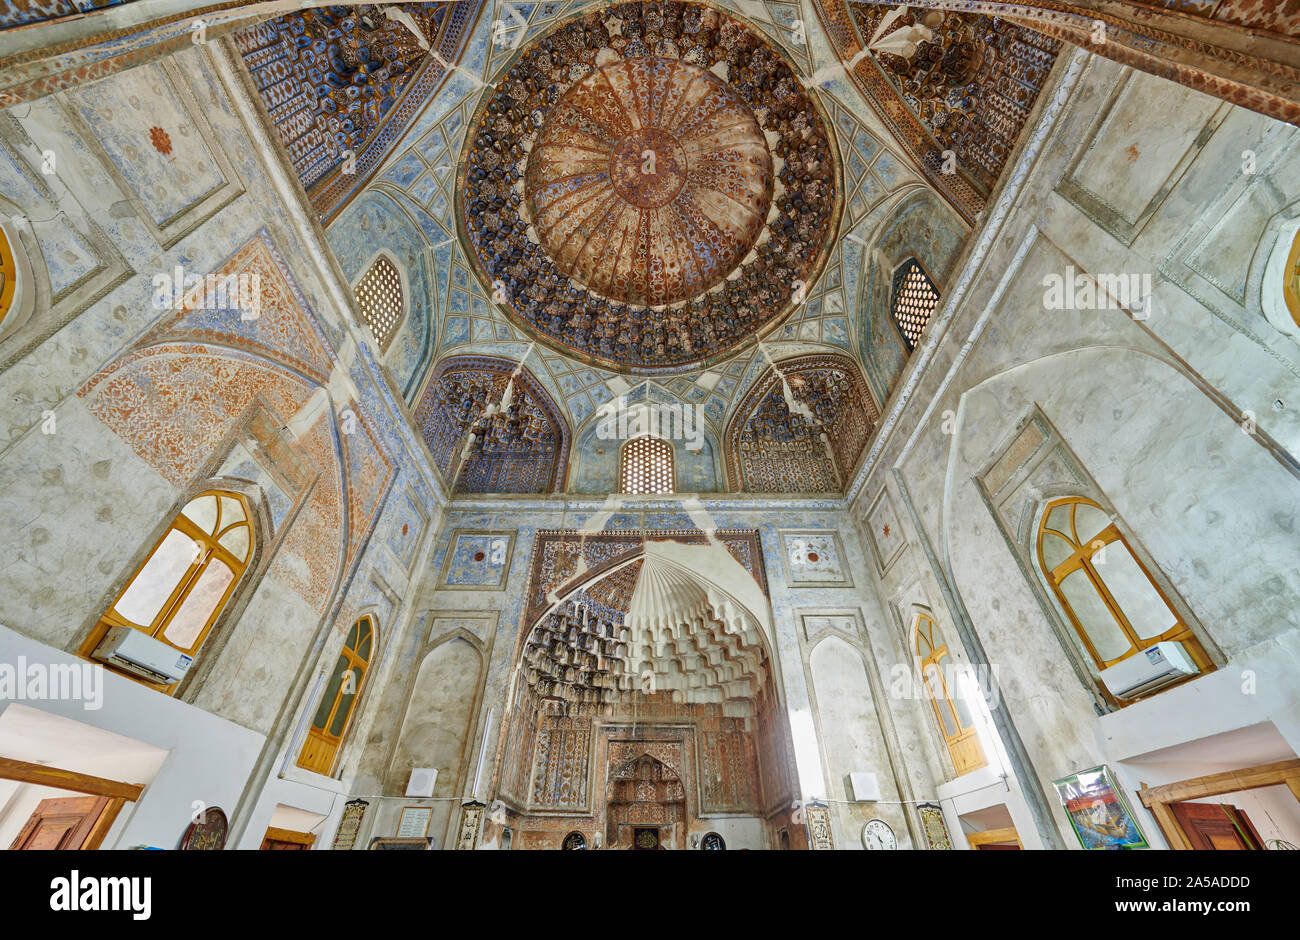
(62, 823)
(1218, 826)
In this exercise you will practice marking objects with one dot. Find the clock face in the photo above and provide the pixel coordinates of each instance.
(877, 835)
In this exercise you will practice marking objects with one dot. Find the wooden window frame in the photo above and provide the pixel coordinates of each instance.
(965, 739)
(1291, 280)
(666, 446)
(1081, 559)
(1158, 799)
(212, 548)
(320, 750)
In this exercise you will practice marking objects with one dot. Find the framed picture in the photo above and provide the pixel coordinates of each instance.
(1097, 811)
(388, 845)
(414, 823)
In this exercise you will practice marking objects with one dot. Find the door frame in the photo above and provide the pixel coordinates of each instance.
(39, 774)
(276, 834)
(1157, 799)
(994, 837)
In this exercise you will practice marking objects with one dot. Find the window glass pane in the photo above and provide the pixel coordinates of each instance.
(364, 649)
(331, 692)
(236, 542)
(199, 604)
(142, 601)
(346, 698)
(232, 511)
(1055, 550)
(203, 512)
(1088, 521)
(956, 692)
(940, 700)
(1059, 518)
(351, 641)
(1146, 610)
(1095, 617)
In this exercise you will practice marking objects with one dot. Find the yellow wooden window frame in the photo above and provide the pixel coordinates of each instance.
(963, 743)
(1081, 558)
(208, 548)
(321, 748)
(8, 276)
(1291, 280)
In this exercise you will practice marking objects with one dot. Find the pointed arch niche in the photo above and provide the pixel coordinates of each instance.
(801, 427)
(644, 697)
(521, 440)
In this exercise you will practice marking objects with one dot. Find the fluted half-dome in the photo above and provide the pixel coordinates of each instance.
(649, 181)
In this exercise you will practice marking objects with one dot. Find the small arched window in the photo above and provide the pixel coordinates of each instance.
(913, 300)
(379, 295)
(188, 578)
(1111, 600)
(954, 715)
(647, 466)
(337, 705)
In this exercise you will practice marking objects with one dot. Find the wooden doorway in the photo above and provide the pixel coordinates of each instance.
(1168, 804)
(77, 822)
(70, 822)
(995, 839)
(286, 840)
(1217, 826)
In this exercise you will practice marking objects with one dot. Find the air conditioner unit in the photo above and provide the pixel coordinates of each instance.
(138, 653)
(422, 781)
(866, 787)
(1147, 670)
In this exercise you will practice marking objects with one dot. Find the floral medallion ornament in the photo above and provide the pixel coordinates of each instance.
(649, 186)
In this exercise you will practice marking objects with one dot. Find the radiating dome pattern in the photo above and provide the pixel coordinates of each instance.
(649, 182)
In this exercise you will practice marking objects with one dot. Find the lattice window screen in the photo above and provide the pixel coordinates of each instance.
(914, 300)
(647, 466)
(379, 294)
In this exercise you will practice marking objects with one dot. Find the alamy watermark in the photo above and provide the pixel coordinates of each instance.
(617, 420)
(38, 681)
(177, 290)
(1081, 291)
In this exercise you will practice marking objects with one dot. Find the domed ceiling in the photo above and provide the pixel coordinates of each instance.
(649, 187)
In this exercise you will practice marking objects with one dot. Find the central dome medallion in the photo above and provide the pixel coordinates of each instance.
(649, 181)
(648, 186)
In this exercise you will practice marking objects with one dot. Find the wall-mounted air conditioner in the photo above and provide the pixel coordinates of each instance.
(1147, 670)
(140, 654)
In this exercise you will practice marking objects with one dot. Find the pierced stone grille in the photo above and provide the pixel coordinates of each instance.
(915, 298)
(647, 466)
(379, 294)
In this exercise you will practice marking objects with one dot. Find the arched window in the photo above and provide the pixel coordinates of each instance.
(379, 295)
(189, 577)
(574, 842)
(647, 466)
(1108, 595)
(953, 713)
(338, 704)
(912, 301)
(17, 292)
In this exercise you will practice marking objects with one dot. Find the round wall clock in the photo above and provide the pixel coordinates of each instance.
(209, 834)
(877, 835)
